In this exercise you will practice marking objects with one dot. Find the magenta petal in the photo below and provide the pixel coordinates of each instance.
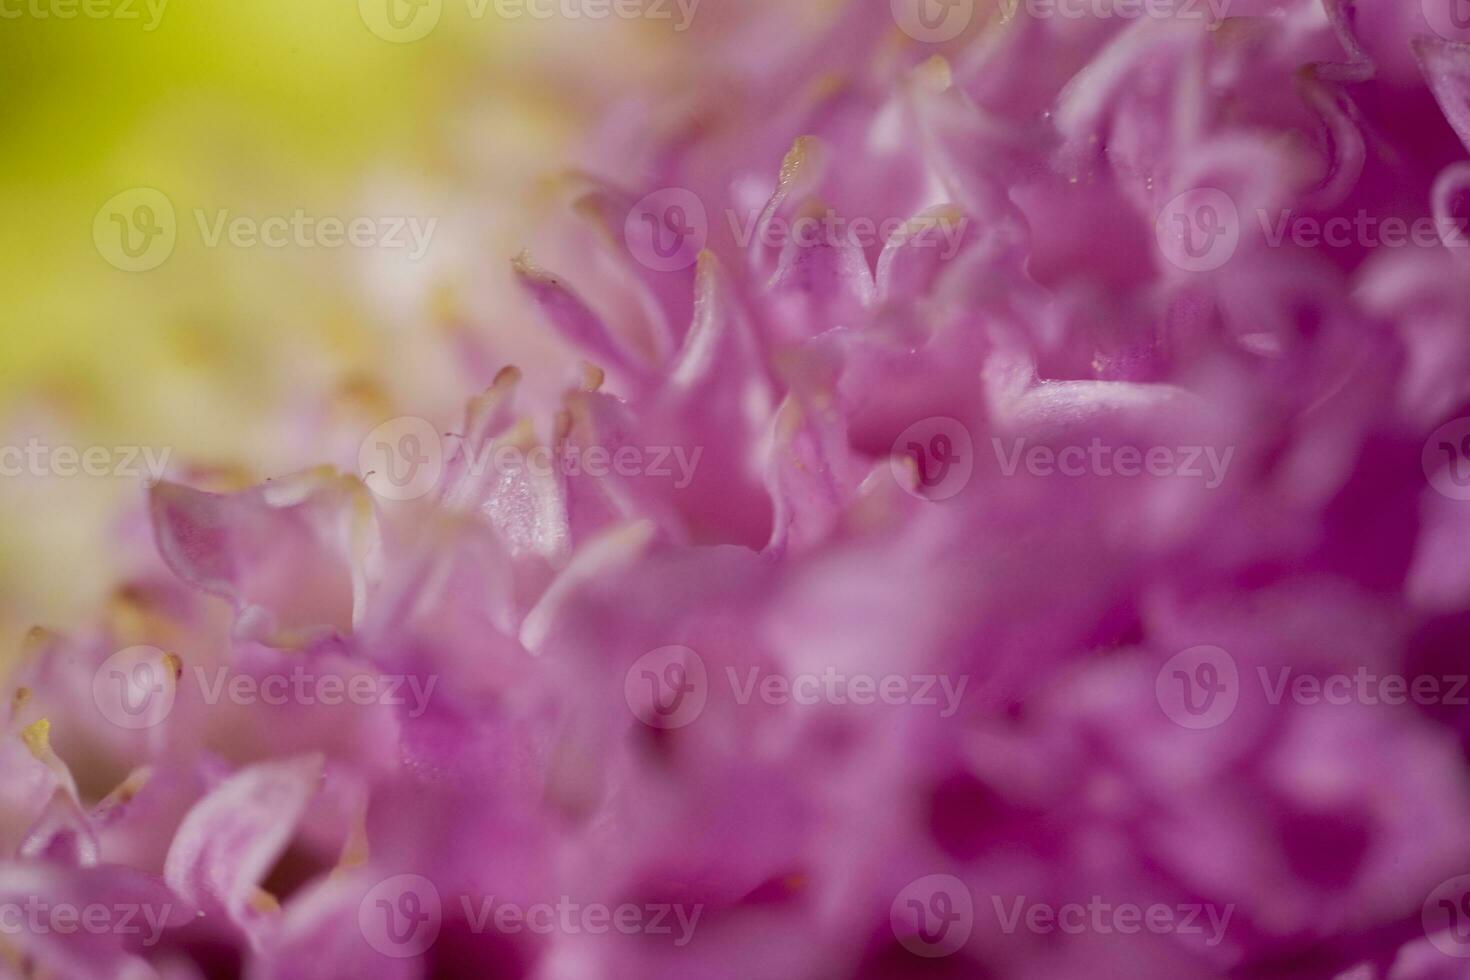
(284, 554)
(63, 834)
(566, 312)
(1446, 67)
(136, 912)
(231, 838)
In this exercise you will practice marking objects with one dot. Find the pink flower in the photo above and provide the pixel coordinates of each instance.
(1009, 524)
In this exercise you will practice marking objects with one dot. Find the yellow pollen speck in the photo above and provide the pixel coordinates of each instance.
(935, 74)
(561, 426)
(37, 737)
(36, 638)
(355, 848)
(264, 901)
(128, 788)
(592, 376)
(802, 151)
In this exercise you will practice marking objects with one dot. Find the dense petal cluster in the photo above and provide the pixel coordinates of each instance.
(1008, 520)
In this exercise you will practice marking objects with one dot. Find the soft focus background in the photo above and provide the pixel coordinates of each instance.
(218, 354)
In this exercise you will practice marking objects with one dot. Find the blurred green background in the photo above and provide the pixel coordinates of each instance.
(256, 108)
